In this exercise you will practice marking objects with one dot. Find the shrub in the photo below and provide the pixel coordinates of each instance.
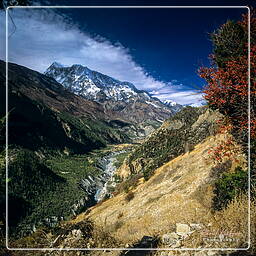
(229, 186)
(126, 185)
(129, 196)
(227, 91)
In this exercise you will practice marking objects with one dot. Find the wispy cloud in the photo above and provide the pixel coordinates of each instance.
(182, 96)
(43, 36)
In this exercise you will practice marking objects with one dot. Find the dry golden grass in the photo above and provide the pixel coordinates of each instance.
(170, 196)
(231, 222)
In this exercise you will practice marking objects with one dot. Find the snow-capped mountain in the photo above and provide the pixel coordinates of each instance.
(92, 84)
(122, 98)
(197, 104)
(174, 105)
(170, 103)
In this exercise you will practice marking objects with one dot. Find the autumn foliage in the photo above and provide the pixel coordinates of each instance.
(227, 79)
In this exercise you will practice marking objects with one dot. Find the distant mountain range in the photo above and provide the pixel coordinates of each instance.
(122, 98)
(174, 105)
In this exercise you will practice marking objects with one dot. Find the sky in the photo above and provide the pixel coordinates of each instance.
(158, 50)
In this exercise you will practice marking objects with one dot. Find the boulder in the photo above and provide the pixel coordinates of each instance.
(182, 228)
(171, 239)
(76, 233)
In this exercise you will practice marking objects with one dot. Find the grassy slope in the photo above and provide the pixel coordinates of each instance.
(177, 135)
(172, 139)
(180, 191)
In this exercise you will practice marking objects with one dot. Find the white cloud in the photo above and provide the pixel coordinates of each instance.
(185, 97)
(43, 36)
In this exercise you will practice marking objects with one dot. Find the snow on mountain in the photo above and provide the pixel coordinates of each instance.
(174, 105)
(91, 84)
(170, 103)
(98, 87)
(123, 99)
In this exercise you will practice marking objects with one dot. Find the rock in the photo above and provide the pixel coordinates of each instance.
(182, 228)
(171, 239)
(177, 244)
(195, 226)
(76, 233)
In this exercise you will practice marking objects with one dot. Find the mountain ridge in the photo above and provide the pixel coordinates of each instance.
(122, 98)
(92, 74)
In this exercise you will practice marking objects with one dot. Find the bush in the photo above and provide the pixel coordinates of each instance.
(229, 186)
(128, 184)
(129, 196)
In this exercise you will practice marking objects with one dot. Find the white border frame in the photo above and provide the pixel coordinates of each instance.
(249, 132)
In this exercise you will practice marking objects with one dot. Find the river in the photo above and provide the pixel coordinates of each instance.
(109, 171)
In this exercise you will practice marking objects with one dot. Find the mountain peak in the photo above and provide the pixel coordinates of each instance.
(91, 84)
(123, 98)
(56, 64)
(170, 102)
(79, 66)
(174, 105)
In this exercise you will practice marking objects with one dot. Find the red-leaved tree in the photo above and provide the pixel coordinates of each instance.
(227, 79)
(229, 89)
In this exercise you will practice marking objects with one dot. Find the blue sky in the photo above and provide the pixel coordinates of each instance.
(159, 50)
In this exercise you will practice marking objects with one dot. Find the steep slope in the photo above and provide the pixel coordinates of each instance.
(122, 98)
(172, 205)
(49, 130)
(172, 195)
(177, 135)
(44, 114)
